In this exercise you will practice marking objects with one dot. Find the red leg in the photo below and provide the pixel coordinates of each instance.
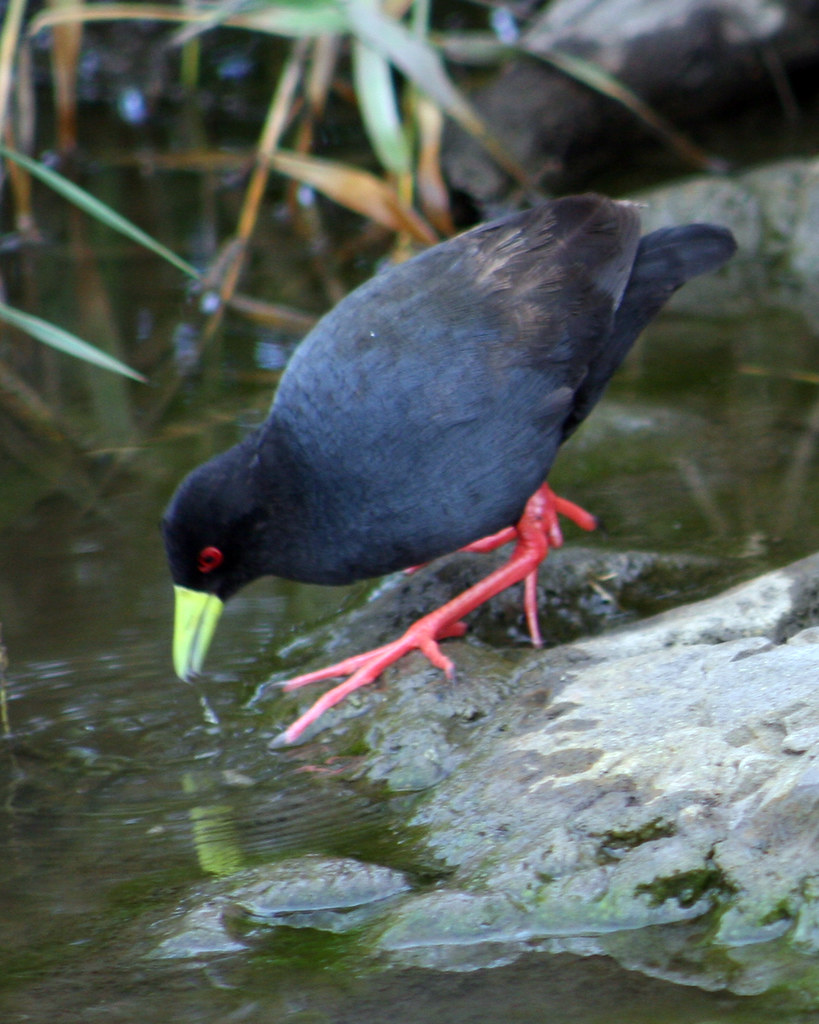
(537, 531)
(555, 506)
(493, 541)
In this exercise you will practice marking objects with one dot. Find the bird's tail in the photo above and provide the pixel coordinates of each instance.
(665, 260)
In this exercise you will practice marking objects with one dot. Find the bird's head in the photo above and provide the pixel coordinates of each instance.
(212, 532)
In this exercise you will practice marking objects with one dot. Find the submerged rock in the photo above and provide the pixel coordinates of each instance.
(334, 894)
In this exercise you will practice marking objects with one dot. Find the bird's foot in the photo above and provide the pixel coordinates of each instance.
(541, 512)
(365, 668)
(537, 532)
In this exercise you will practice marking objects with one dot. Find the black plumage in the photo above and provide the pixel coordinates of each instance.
(425, 410)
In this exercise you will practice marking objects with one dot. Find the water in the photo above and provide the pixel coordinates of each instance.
(110, 764)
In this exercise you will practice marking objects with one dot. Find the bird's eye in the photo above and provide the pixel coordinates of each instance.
(209, 559)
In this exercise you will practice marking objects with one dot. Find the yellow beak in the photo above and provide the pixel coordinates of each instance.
(195, 617)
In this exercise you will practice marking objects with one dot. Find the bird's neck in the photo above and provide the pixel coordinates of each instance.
(289, 506)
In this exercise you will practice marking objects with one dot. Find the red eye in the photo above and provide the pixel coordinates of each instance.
(209, 559)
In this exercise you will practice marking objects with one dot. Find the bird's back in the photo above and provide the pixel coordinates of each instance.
(429, 404)
(425, 409)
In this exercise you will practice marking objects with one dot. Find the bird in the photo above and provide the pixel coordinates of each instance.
(422, 415)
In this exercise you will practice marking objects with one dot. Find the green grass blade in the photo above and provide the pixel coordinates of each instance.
(379, 108)
(57, 338)
(99, 210)
(297, 19)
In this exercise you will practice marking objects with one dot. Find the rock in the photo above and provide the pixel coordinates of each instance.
(334, 894)
(649, 794)
(658, 777)
(673, 776)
